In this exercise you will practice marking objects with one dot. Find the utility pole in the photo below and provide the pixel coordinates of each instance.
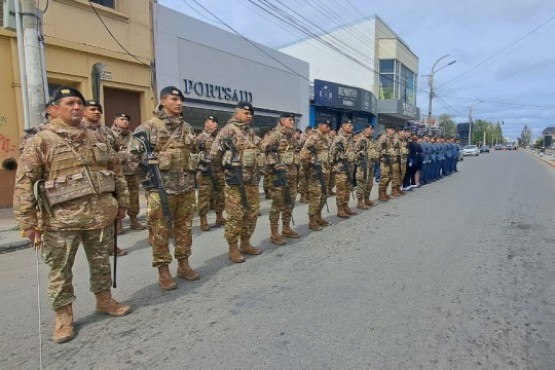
(470, 120)
(431, 85)
(33, 61)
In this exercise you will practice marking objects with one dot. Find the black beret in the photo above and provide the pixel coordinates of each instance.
(66, 92)
(325, 122)
(49, 103)
(367, 126)
(245, 105)
(390, 125)
(287, 115)
(123, 115)
(171, 90)
(347, 122)
(212, 118)
(94, 103)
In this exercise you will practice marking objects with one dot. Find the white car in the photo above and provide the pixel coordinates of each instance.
(471, 150)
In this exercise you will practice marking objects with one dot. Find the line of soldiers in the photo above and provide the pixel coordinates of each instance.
(77, 179)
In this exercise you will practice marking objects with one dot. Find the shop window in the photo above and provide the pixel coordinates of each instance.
(108, 3)
(387, 65)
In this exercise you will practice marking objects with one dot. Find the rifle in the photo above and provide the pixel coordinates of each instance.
(341, 147)
(317, 165)
(207, 168)
(237, 168)
(365, 160)
(154, 181)
(282, 181)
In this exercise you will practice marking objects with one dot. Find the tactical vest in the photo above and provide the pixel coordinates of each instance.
(174, 149)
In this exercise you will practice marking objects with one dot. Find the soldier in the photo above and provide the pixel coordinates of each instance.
(343, 156)
(238, 149)
(129, 163)
(208, 181)
(303, 175)
(314, 159)
(266, 183)
(330, 180)
(173, 142)
(402, 158)
(81, 191)
(30, 132)
(280, 148)
(388, 145)
(365, 148)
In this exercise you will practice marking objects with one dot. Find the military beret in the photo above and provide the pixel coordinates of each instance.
(349, 122)
(390, 125)
(245, 105)
(367, 126)
(212, 118)
(287, 115)
(171, 90)
(66, 92)
(325, 122)
(94, 103)
(123, 115)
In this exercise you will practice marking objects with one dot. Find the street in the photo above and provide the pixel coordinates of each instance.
(459, 274)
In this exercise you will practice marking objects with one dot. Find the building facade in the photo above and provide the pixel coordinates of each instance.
(80, 52)
(216, 69)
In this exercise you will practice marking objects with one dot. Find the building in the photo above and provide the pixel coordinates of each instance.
(367, 58)
(79, 51)
(216, 69)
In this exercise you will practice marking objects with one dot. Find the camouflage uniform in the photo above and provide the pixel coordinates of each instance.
(389, 146)
(302, 178)
(79, 175)
(210, 181)
(403, 154)
(280, 148)
(30, 132)
(173, 142)
(248, 160)
(314, 158)
(343, 163)
(363, 163)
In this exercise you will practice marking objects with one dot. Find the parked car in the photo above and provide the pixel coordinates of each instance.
(471, 150)
(500, 147)
(484, 149)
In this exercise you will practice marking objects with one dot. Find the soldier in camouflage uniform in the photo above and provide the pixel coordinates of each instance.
(388, 145)
(80, 191)
(122, 138)
(209, 181)
(280, 148)
(343, 156)
(403, 155)
(364, 167)
(314, 158)
(330, 178)
(173, 142)
(49, 114)
(303, 172)
(238, 149)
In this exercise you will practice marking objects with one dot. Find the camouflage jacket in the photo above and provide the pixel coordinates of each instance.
(123, 142)
(388, 145)
(247, 155)
(360, 146)
(77, 180)
(30, 132)
(404, 147)
(342, 152)
(204, 142)
(280, 149)
(315, 152)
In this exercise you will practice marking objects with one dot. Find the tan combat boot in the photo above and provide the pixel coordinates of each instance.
(234, 254)
(368, 202)
(395, 192)
(341, 212)
(220, 220)
(276, 238)
(247, 248)
(108, 305)
(185, 271)
(63, 329)
(165, 279)
(312, 224)
(320, 221)
(204, 223)
(289, 232)
(362, 205)
(349, 211)
(135, 224)
(382, 196)
(119, 228)
(402, 192)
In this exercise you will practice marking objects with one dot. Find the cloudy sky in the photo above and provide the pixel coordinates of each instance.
(504, 49)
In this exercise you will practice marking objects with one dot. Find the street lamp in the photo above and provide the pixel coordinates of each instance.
(431, 83)
(470, 120)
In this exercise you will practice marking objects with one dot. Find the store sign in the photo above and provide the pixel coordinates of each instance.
(211, 91)
(329, 94)
(410, 110)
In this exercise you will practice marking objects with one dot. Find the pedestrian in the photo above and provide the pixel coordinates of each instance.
(81, 190)
(280, 148)
(343, 155)
(238, 149)
(173, 142)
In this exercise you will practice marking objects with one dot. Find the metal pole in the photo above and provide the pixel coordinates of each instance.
(431, 85)
(470, 125)
(21, 57)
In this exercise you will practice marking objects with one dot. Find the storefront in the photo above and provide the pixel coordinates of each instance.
(339, 103)
(396, 112)
(216, 69)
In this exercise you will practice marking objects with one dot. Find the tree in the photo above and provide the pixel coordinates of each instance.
(526, 135)
(447, 125)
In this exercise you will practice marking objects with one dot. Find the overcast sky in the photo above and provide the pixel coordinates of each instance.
(504, 49)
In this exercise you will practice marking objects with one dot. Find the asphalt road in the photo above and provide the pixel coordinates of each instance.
(459, 274)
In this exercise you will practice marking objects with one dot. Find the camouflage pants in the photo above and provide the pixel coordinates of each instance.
(302, 180)
(181, 207)
(388, 173)
(401, 168)
(343, 189)
(58, 251)
(266, 184)
(279, 205)
(332, 181)
(240, 222)
(317, 199)
(364, 185)
(133, 187)
(206, 191)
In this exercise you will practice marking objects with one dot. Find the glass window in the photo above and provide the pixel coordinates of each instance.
(387, 65)
(108, 3)
(386, 87)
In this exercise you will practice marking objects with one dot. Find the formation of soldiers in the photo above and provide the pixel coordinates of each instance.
(77, 179)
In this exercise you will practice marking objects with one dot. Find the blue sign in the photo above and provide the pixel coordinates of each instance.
(330, 94)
